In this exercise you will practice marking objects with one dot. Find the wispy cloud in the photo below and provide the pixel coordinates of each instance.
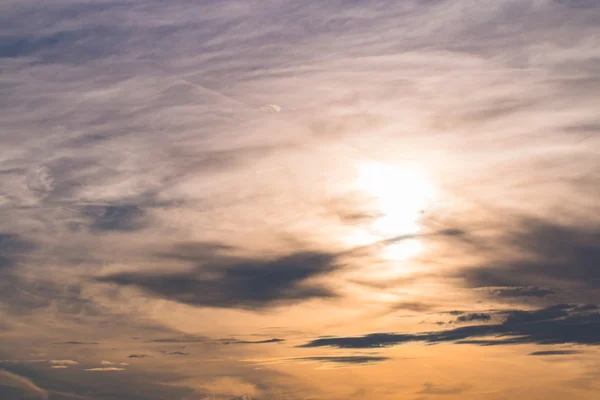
(184, 171)
(437, 389)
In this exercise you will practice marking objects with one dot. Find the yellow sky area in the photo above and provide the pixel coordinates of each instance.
(448, 371)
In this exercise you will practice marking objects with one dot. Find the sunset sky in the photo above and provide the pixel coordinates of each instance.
(299, 200)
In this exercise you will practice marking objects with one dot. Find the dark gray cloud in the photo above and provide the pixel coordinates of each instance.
(115, 217)
(251, 284)
(557, 324)
(80, 45)
(554, 352)
(454, 312)
(12, 246)
(474, 317)
(517, 291)
(77, 343)
(139, 356)
(237, 341)
(345, 359)
(184, 339)
(544, 252)
(203, 339)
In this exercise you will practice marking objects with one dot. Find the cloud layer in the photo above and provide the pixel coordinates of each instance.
(179, 192)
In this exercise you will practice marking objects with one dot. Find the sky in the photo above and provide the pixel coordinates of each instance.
(299, 200)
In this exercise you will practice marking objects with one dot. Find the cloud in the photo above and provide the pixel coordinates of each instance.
(544, 252)
(12, 247)
(557, 324)
(351, 360)
(177, 353)
(184, 339)
(413, 306)
(76, 343)
(437, 389)
(142, 120)
(237, 341)
(454, 312)
(251, 284)
(26, 386)
(554, 352)
(578, 3)
(24, 295)
(521, 291)
(102, 369)
(45, 47)
(124, 218)
(474, 317)
(98, 383)
(139, 356)
(106, 363)
(64, 362)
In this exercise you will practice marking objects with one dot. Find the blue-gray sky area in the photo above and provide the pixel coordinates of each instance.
(286, 200)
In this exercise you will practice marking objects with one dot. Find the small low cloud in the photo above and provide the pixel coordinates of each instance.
(413, 306)
(139, 356)
(453, 312)
(348, 360)
(102, 369)
(182, 339)
(59, 367)
(63, 362)
(554, 352)
(106, 363)
(521, 291)
(474, 317)
(236, 341)
(124, 218)
(437, 389)
(76, 343)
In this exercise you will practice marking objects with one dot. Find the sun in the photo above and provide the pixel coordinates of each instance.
(400, 194)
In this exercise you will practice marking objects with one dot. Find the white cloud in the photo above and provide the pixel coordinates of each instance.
(63, 362)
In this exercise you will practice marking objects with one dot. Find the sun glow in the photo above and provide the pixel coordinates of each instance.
(400, 195)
